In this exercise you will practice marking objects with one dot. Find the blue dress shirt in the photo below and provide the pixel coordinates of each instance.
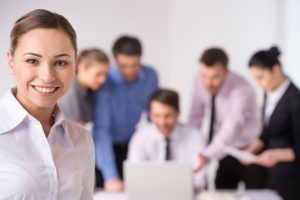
(118, 107)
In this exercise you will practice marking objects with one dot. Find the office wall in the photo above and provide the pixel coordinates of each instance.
(174, 33)
(98, 24)
(291, 52)
(240, 27)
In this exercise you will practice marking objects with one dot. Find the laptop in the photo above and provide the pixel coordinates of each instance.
(158, 180)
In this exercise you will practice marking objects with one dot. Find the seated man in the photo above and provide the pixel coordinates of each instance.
(167, 139)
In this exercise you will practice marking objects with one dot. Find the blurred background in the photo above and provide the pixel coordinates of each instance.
(173, 33)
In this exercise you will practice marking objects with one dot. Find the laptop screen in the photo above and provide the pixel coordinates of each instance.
(158, 180)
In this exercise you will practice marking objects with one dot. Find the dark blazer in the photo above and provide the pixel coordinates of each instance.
(283, 131)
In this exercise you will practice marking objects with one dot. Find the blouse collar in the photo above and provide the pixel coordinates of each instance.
(12, 113)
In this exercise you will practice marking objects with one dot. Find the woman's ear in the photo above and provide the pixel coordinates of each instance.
(276, 68)
(10, 62)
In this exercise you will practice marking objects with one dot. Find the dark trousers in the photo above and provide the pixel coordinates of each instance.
(285, 179)
(287, 187)
(231, 172)
(120, 151)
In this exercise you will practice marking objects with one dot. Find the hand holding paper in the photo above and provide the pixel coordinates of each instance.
(240, 155)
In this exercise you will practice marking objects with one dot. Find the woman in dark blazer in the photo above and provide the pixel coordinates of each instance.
(278, 147)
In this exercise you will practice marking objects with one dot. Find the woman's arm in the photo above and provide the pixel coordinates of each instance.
(271, 157)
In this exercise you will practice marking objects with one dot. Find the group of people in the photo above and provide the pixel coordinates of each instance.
(46, 153)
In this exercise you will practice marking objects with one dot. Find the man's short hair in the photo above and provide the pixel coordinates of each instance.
(214, 56)
(167, 97)
(127, 45)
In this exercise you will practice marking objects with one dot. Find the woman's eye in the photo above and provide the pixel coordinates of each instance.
(61, 63)
(32, 61)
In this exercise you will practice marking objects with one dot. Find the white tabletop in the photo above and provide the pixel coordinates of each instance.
(252, 194)
(109, 196)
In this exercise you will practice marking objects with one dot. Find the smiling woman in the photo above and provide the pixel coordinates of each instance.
(55, 157)
(43, 68)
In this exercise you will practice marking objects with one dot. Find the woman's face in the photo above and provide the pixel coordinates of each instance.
(265, 78)
(43, 64)
(93, 75)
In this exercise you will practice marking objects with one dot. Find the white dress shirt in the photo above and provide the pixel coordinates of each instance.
(186, 142)
(35, 167)
(273, 98)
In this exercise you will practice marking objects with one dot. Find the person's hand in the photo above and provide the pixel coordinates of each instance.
(267, 158)
(246, 162)
(113, 185)
(255, 147)
(202, 161)
(271, 157)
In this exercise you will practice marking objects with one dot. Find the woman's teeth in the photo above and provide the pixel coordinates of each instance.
(46, 90)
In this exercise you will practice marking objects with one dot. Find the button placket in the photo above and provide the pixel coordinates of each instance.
(54, 191)
(48, 159)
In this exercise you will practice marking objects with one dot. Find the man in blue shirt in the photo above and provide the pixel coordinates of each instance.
(118, 108)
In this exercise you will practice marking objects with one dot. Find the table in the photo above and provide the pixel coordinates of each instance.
(253, 194)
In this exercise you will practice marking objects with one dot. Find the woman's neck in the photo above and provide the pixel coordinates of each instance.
(280, 80)
(43, 115)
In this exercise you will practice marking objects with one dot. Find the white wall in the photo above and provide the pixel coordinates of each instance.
(98, 24)
(174, 32)
(292, 40)
(240, 27)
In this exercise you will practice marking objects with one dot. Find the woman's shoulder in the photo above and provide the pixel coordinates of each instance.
(4, 123)
(11, 112)
(293, 96)
(294, 90)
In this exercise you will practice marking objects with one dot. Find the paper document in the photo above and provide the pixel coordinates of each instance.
(240, 155)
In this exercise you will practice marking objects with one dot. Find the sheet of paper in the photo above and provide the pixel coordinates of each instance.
(240, 155)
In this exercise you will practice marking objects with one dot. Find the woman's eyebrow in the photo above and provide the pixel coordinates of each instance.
(61, 55)
(38, 55)
(33, 54)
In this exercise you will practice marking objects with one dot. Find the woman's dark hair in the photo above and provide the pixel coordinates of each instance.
(127, 45)
(41, 19)
(167, 97)
(265, 58)
(214, 56)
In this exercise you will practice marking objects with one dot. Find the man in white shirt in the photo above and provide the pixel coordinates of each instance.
(167, 139)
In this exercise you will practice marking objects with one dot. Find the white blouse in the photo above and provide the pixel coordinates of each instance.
(35, 167)
(273, 98)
